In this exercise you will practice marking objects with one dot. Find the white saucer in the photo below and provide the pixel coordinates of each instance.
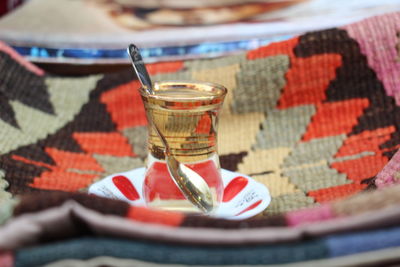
(243, 196)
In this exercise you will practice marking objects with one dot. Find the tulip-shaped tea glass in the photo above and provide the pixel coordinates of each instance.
(186, 114)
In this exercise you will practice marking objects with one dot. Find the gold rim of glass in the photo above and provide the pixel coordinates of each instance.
(209, 91)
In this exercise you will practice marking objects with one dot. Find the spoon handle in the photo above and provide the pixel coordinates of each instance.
(140, 69)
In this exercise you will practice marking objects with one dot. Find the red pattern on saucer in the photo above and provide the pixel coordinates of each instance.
(243, 196)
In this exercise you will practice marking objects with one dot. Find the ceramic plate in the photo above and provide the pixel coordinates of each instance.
(243, 196)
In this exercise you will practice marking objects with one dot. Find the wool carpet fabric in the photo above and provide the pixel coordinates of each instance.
(384, 257)
(51, 218)
(308, 117)
(86, 248)
(315, 118)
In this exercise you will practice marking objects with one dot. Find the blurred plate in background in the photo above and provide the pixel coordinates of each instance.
(98, 31)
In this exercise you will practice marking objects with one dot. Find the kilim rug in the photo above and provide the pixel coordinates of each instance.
(314, 118)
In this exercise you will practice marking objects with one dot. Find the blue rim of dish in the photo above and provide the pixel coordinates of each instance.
(198, 50)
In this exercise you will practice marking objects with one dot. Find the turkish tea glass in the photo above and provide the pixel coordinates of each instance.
(186, 114)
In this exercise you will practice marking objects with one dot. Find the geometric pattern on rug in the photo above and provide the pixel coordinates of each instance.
(307, 117)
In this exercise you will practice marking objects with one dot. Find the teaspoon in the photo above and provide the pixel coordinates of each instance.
(191, 184)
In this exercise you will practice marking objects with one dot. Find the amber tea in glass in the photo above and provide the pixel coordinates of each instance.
(186, 114)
